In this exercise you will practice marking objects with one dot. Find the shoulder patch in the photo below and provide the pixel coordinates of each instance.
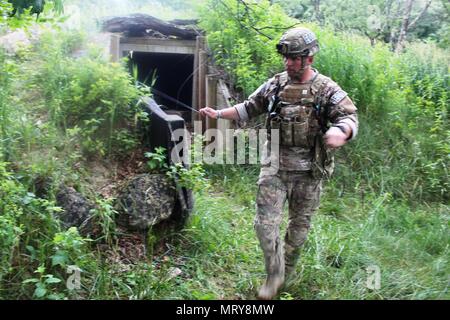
(338, 96)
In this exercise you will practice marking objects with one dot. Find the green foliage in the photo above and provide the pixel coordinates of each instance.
(32, 244)
(402, 147)
(68, 248)
(157, 160)
(104, 216)
(43, 285)
(242, 36)
(351, 232)
(5, 9)
(10, 212)
(90, 94)
(56, 107)
(192, 177)
(377, 19)
(5, 72)
(35, 6)
(59, 104)
(20, 13)
(21, 216)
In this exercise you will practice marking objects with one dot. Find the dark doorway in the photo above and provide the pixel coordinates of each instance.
(173, 73)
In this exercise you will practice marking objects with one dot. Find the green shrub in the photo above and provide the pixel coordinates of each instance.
(10, 212)
(242, 39)
(88, 92)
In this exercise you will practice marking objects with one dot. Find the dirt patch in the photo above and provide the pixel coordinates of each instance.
(129, 250)
(106, 177)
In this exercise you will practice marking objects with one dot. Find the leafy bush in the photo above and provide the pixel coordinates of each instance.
(5, 9)
(192, 177)
(34, 249)
(10, 212)
(88, 93)
(242, 37)
(157, 160)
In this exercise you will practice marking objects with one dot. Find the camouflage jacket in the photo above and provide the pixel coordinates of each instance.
(323, 90)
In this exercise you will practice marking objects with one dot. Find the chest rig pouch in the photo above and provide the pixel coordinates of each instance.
(293, 113)
(300, 112)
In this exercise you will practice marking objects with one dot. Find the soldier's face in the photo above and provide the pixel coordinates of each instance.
(293, 65)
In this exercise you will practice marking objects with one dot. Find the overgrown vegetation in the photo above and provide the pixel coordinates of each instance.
(34, 6)
(63, 106)
(59, 108)
(242, 39)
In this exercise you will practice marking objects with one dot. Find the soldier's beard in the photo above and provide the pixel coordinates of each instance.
(297, 75)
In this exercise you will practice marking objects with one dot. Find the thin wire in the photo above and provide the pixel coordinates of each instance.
(178, 102)
(189, 77)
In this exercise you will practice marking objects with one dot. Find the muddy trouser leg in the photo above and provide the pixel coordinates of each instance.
(303, 197)
(269, 201)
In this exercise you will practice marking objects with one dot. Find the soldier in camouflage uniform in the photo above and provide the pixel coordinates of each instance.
(314, 116)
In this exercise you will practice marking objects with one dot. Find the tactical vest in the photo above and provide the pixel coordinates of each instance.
(296, 114)
(299, 118)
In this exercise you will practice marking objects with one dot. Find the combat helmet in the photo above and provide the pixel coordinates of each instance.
(298, 42)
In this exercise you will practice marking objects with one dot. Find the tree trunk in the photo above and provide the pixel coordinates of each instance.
(393, 15)
(316, 4)
(420, 15)
(404, 27)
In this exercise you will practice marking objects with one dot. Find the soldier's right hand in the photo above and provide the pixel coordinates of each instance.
(209, 112)
(335, 138)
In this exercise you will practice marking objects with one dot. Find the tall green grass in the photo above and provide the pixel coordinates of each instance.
(403, 106)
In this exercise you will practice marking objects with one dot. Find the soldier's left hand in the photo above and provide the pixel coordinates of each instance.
(335, 138)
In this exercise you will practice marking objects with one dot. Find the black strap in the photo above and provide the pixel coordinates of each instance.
(323, 118)
(322, 112)
(275, 98)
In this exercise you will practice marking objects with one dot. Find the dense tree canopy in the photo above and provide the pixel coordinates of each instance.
(383, 20)
(35, 6)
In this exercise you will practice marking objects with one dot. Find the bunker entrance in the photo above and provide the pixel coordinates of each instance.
(172, 76)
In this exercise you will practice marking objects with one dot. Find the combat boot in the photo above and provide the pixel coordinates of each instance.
(272, 247)
(275, 276)
(270, 288)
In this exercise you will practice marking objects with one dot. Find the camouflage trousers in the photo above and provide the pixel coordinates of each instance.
(302, 192)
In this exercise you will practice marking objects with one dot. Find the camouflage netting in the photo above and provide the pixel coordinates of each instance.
(146, 200)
